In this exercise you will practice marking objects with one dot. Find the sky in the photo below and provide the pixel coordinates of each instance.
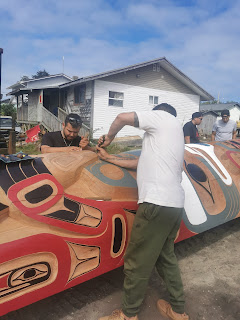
(201, 38)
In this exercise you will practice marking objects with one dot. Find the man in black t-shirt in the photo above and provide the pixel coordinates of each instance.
(67, 139)
(190, 128)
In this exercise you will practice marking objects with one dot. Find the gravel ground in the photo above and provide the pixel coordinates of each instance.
(210, 270)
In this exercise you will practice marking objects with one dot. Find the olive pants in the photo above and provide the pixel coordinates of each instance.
(152, 244)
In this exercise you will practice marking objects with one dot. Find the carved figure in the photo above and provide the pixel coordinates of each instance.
(66, 217)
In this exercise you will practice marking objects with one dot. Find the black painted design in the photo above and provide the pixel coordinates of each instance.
(11, 172)
(118, 230)
(31, 275)
(28, 169)
(39, 194)
(40, 166)
(3, 206)
(131, 211)
(15, 172)
(72, 215)
(199, 176)
(65, 215)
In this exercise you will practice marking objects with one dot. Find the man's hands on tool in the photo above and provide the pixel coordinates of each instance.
(84, 142)
(104, 141)
(102, 153)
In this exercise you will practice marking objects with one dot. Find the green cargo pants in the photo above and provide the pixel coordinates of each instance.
(152, 244)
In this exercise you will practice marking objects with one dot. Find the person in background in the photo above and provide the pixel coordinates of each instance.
(190, 130)
(224, 129)
(66, 140)
(158, 218)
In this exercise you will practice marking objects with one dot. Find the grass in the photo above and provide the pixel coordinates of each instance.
(29, 148)
(34, 148)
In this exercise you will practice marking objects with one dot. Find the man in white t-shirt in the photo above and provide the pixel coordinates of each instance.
(224, 129)
(161, 201)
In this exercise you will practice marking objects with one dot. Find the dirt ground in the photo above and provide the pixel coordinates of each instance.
(209, 262)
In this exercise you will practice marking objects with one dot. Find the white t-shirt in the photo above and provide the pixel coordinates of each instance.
(224, 130)
(159, 171)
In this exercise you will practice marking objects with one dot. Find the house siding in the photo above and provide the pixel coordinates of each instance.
(235, 113)
(136, 98)
(33, 103)
(146, 77)
(84, 110)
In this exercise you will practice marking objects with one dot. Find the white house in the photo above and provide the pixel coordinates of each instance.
(38, 99)
(100, 98)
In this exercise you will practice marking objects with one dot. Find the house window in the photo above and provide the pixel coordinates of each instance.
(153, 100)
(115, 99)
(79, 94)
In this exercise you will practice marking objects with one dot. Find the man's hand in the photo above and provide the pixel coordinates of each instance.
(102, 153)
(84, 142)
(104, 141)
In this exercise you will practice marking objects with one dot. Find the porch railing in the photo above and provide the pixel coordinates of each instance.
(50, 121)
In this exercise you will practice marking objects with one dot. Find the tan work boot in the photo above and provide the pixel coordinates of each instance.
(118, 315)
(166, 310)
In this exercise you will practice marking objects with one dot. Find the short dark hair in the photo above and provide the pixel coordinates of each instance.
(166, 107)
(74, 120)
(197, 115)
(225, 112)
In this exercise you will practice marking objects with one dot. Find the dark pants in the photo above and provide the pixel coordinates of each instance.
(152, 244)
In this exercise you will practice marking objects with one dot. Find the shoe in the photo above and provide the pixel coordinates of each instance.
(118, 315)
(166, 310)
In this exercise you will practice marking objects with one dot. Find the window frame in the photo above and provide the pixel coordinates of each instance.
(117, 99)
(81, 96)
(153, 100)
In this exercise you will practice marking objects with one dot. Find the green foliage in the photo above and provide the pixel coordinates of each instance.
(24, 78)
(29, 148)
(211, 102)
(8, 109)
(116, 148)
(216, 102)
(40, 74)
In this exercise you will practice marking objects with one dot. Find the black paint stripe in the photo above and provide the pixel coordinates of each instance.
(15, 171)
(39, 166)
(2, 206)
(5, 181)
(28, 169)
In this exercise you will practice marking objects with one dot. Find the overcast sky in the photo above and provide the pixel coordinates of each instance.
(201, 38)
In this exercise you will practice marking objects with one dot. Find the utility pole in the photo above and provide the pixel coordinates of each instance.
(1, 52)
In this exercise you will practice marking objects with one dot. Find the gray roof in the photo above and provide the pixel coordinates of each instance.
(209, 112)
(218, 107)
(23, 83)
(204, 95)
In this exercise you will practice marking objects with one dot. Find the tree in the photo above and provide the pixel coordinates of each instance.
(24, 78)
(40, 74)
(8, 109)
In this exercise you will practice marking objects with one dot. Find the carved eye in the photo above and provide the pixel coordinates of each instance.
(30, 274)
(196, 172)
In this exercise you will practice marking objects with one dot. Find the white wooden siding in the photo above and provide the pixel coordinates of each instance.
(136, 99)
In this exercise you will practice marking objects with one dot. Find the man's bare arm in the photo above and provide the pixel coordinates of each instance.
(125, 162)
(234, 136)
(187, 139)
(123, 119)
(213, 135)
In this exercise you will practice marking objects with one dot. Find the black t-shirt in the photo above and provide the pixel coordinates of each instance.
(191, 130)
(55, 139)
